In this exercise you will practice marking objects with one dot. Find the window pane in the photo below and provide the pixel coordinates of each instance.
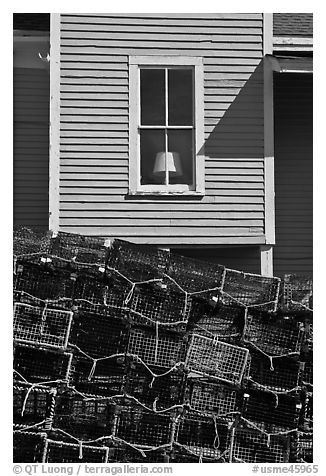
(152, 97)
(180, 143)
(180, 94)
(152, 142)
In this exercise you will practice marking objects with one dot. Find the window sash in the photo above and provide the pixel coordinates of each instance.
(135, 126)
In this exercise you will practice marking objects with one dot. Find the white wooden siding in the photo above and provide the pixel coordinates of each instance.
(94, 134)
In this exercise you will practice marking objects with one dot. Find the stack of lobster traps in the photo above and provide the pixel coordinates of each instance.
(127, 353)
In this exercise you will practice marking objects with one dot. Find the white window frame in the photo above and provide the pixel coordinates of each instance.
(135, 187)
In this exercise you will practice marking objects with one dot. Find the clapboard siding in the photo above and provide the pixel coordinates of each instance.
(31, 147)
(293, 174)
(94, 122)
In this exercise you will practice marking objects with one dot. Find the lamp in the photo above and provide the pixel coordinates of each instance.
(169, 159)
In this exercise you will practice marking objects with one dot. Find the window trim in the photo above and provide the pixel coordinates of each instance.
(135, 188)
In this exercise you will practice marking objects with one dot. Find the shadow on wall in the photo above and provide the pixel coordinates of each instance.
(235, 130)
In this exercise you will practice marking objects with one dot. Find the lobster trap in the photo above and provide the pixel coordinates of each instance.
(280, 375)
(90, 289)
(143, 428)
(40, 365)
(62, 452)
(248, 289)
(36, 284)
(273, 336)
(41, 325)
(306, 418)
(157, 346)
(204, 436)
(30, 243)
(99, 335)
(217, 359)
(33, 405)
(162, 392)
(194, 276)
(302, 448)
(128, 454)
(28, 447)
(296, 294)
(224, 322)
(137, 262)
(307, 375)
(84, 419)
(271, 412)
(78, 250)
(209, 397)
(98, 378)
(159, 303)
(253, 446)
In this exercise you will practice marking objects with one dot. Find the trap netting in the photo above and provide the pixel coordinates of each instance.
(83, 418)
(163, 392)
(279, 375)
(78, 250)
(213, 398)
(272, 412)
(41, 325)
(224, 322)
(252, 446)
(203, 436)
(28, 447)
(296, 294)
(143, 428)
(30, 243)
(40, 365)
(217, 359)
(39, 284)
(33, 405)
(250, 290)
(153, 357)
(63, 452)
(302, 448)
(273, 336)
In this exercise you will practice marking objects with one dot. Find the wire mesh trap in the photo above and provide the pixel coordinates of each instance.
(34, 284)
(78, 249)
(296, 293)
(90, 290)
(204, 436)
(273, 336)
(213, 398)
(271, 412)
(224, 322)
(85, 419)
(28, 447)
(252, 446)
(99, 335)
(250, 290)
(143, 428)
(30, 243)
(195, 276)
(41, 325)
(62, 452)
(137, 262)
(306, 417)
(217, 359)
(157, 346)
(302, 448)
(307, 375)
(99, 378)
(38, 365)
(127, 454)
(32, 406)
(159, 303)
(283, 376)
(162, 392)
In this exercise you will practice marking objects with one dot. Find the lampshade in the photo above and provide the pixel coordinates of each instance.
(172, 161)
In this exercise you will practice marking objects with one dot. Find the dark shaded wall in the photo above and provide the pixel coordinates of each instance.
(293, 173)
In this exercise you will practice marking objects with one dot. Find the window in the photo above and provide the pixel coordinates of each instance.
(166, 125)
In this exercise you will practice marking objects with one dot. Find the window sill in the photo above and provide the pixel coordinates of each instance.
(169, 193)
